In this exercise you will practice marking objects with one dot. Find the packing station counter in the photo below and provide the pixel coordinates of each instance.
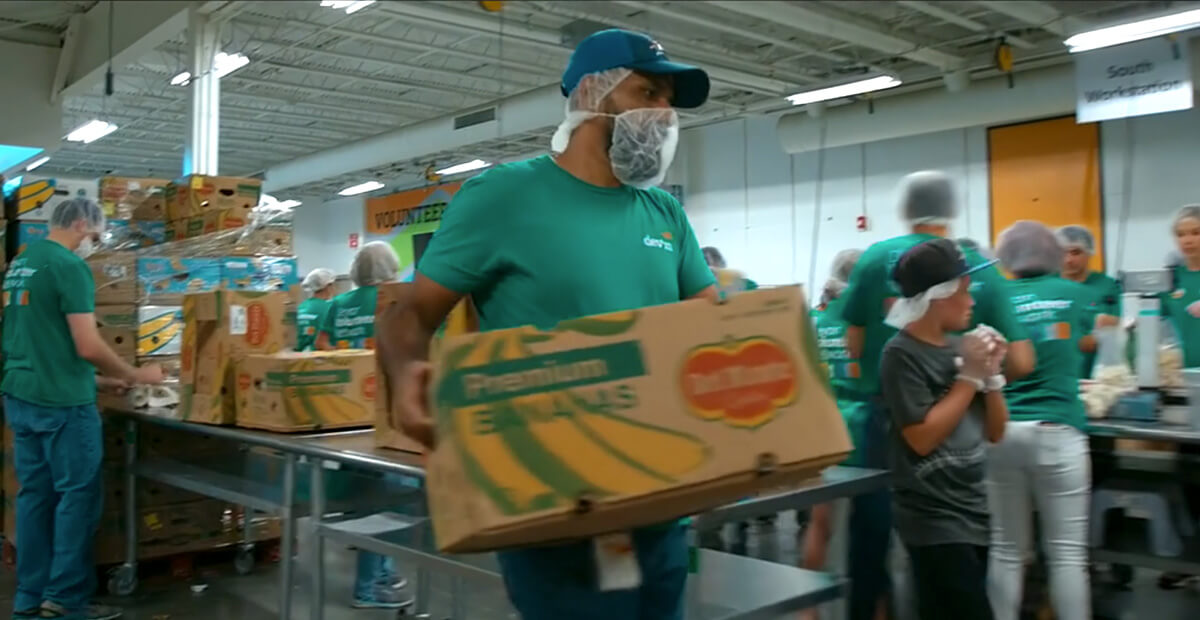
(725, 586)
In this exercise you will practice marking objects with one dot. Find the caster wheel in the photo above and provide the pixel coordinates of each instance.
(122, 581)
(243, 562)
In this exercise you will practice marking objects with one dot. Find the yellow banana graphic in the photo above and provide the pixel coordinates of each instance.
(513, 487)
(151, 343)
(149, 327)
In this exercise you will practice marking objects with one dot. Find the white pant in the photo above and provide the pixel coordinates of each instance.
(1048, 464)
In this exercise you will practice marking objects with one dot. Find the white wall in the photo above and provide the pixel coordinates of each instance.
(781, 218)
(322, 230)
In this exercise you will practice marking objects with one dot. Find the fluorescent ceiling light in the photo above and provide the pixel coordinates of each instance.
(474, 164)
(91, 131)
(361, 188)
(288, 204)
(1135, 31)
(842, 91)
(223, 65)
(350, 6)
(37, 163)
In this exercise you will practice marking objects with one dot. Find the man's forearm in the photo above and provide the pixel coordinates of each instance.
(110, 364)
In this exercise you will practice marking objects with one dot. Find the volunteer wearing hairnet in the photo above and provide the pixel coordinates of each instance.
(1043, 464)
(928, 203)
(350, 321)
(52, 351)
(1104, 291)
(310, 315)
(579, 232)
(350, 324)
(867, 577)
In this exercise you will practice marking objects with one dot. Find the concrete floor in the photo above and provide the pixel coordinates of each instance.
(254, 597)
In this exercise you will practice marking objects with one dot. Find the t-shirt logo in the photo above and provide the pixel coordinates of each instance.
(657, 48)
(662, 242)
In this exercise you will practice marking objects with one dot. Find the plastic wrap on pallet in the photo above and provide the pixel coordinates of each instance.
(131, 271)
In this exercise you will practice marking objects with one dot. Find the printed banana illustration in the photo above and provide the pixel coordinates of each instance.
(538, 451)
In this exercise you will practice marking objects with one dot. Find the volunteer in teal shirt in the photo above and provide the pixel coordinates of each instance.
(52, 351)
(1103, 293)
(1044, 455)
(350, 321)
(310, 315)
(559, 237)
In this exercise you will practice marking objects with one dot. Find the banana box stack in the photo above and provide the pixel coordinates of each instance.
(201, 204)
(31, 198)
(290, 391)
(220, 329)
(122, 197)
(617, 421)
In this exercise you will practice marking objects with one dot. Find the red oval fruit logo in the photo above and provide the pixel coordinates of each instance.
(243, 382)
(256, 324)
(368, 387)
(744, 382)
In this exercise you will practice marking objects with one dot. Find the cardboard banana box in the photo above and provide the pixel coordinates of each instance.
(291, 392)
(617, 421)
(159, 330)
(118, 326)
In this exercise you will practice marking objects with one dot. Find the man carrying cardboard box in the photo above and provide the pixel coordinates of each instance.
(581, 232)
(52, 351)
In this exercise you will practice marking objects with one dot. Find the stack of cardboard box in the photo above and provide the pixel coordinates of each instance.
(170, 520)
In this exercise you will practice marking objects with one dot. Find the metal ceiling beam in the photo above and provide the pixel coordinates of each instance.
(951, 17)
(392, 116)
(719, 26)
(385, 82)
(551, 41)
(399, 44)
(1039, 14)
(802, 17)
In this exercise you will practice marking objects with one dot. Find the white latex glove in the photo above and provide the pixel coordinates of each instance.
(1194, 309)
(976, 350)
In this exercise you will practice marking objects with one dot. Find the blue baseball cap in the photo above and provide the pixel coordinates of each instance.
(613, 49)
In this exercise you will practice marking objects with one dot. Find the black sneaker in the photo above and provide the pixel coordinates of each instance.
(1173, 581)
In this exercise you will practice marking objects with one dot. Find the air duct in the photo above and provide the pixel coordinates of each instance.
(536, 109)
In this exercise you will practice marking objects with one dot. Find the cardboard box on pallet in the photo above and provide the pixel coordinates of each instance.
(291, 392)
(118, 327)
(461, 320)
(269, 240)
(121, 196)
(34, 198)
(166, 279)
(115, 276)
(195, 194)
(28, 232)
(616, 421)
(220, 328)
(259, 273)
(152, 208)
(159, 331)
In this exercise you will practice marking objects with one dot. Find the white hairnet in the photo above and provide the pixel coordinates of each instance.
(839, 274)
(908, 309)
(375, 263)
(585, 102)
(928, 197)
(68, 212)
(1076, 237)
(1185, 212)
(713, 257)
(318, 279)
(1029, 247)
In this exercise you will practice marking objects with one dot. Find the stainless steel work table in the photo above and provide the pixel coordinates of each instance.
(727, 587)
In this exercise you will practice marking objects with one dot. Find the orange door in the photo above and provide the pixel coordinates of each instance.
(1048, 171)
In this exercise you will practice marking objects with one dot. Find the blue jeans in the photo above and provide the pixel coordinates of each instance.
(57, 453)
(870, 523)
(374, 571)
(553, 583)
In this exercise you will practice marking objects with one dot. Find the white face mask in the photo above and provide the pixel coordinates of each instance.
(86, 248)
(643, 145)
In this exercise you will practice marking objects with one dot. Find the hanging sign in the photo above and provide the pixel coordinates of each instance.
(1134, 79)
(406, 220)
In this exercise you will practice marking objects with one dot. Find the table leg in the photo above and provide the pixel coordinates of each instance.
(317, 500)
(123, 580)
(422, 590)
(458, 599)
(289, 535)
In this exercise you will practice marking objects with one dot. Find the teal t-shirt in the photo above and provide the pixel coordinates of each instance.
(1105, 298)
(310, 316)
(41, 366)
(533, 245)
(1056, 313)
(871, 293)
(350, 320)
(844, 372)
(1175, 308)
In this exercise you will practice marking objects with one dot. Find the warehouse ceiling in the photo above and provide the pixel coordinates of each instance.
(320, 78)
